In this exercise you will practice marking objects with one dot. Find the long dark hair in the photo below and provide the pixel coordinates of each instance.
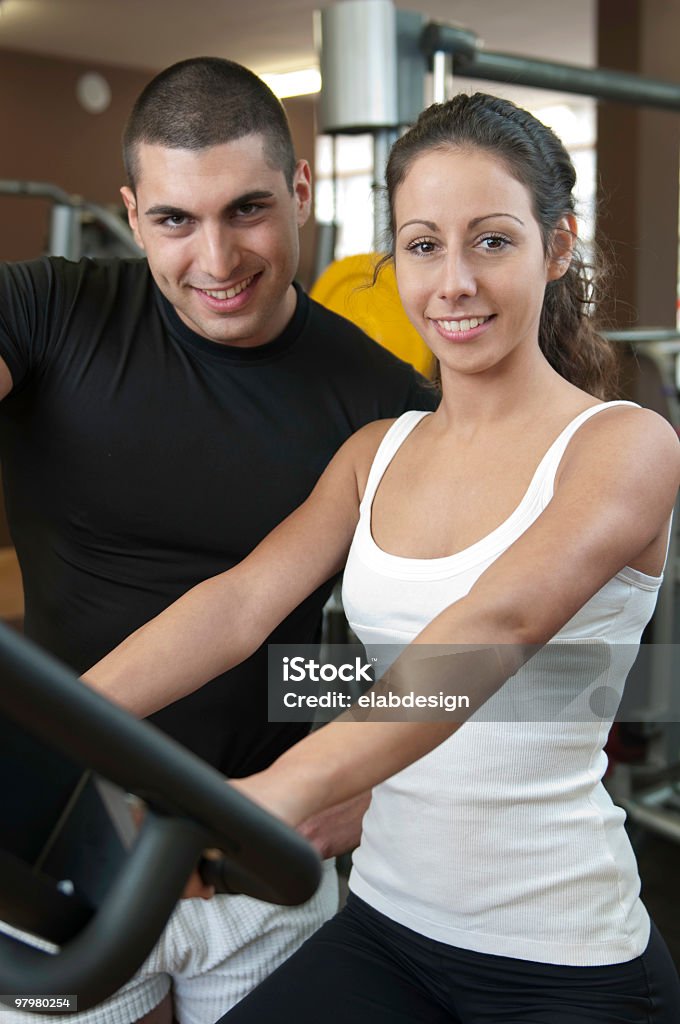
(533, 154)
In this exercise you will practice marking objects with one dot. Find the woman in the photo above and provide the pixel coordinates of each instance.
(494, 881)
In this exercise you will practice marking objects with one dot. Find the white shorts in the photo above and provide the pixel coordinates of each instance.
(213, 952)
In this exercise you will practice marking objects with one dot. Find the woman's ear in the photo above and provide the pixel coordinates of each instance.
(561, 247)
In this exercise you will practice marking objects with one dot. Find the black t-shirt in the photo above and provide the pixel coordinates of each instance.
(140, 458)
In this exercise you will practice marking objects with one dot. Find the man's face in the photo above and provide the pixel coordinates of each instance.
(220, 230)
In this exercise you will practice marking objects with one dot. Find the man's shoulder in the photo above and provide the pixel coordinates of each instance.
(321, 313)
(55, 283)
(113, 271)
(348, 339)
(52, 306)
(351, 358)
(59, 268)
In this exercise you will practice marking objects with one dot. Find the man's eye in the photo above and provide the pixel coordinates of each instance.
(248, 209)
(175, 220)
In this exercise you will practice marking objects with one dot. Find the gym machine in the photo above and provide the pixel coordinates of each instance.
(649, 791)
(375, 62)
(84, 890)
(71, 217)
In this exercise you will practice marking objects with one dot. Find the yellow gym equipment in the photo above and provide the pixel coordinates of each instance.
(347, 288)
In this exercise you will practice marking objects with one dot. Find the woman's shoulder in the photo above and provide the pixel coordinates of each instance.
(628, 436)
(362, 447)
(628, 422)
(365, 442)
(368, 438)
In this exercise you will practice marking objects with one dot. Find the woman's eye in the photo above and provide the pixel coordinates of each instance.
(421, 246)
(492, 243)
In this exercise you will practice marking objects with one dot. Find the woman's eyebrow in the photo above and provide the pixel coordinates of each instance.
(426, 223)
(431, 226)
(477, 220)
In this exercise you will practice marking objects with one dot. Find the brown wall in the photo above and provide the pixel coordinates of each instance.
(45, 135)
(638, 159)
(301, 112)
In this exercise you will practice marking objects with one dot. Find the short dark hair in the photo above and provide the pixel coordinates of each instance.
(207, 101)
(535, 156)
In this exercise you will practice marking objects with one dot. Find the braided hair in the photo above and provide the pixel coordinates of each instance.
(536, 158)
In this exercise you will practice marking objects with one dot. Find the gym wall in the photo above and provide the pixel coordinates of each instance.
(46, 135)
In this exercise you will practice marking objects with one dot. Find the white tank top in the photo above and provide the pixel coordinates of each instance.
(502, 839)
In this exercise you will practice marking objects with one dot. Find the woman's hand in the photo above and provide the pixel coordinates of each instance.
(337, 830)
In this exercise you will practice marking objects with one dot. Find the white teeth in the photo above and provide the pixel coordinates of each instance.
(230, 293)
(458, 326)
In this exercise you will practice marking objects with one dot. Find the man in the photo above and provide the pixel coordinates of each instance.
(162, 416)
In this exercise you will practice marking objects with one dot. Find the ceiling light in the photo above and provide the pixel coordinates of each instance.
(293, 83)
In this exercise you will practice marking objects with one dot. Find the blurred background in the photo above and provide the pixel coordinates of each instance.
(70, 70)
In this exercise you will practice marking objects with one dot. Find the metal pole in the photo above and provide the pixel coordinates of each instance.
(65, 235)
(382, 143)
(441, 69)
(472, 62)
(358, 66)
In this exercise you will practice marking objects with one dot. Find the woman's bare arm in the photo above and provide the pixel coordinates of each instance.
(617, 487)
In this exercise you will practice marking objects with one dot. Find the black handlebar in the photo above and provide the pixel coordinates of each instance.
(191, 808)
(119, 937)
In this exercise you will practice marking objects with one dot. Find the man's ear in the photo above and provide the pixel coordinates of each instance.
(130, 201)
(302, 191)
(562, 247)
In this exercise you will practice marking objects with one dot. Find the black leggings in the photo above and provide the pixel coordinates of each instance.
(362, 968)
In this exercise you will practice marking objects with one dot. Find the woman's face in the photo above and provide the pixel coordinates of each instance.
(469, 259)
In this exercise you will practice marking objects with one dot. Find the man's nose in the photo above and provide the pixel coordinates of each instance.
(218, 254)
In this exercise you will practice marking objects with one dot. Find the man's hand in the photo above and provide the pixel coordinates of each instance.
(338, 829)
(197, 889)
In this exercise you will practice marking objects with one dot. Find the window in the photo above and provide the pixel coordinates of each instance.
(344, 175)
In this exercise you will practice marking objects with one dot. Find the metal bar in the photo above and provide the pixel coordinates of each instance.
(640, 334)
(664, 823)
(382, 143)
(65, 227)
(113, 225)
(472, 62)
(35, 189)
